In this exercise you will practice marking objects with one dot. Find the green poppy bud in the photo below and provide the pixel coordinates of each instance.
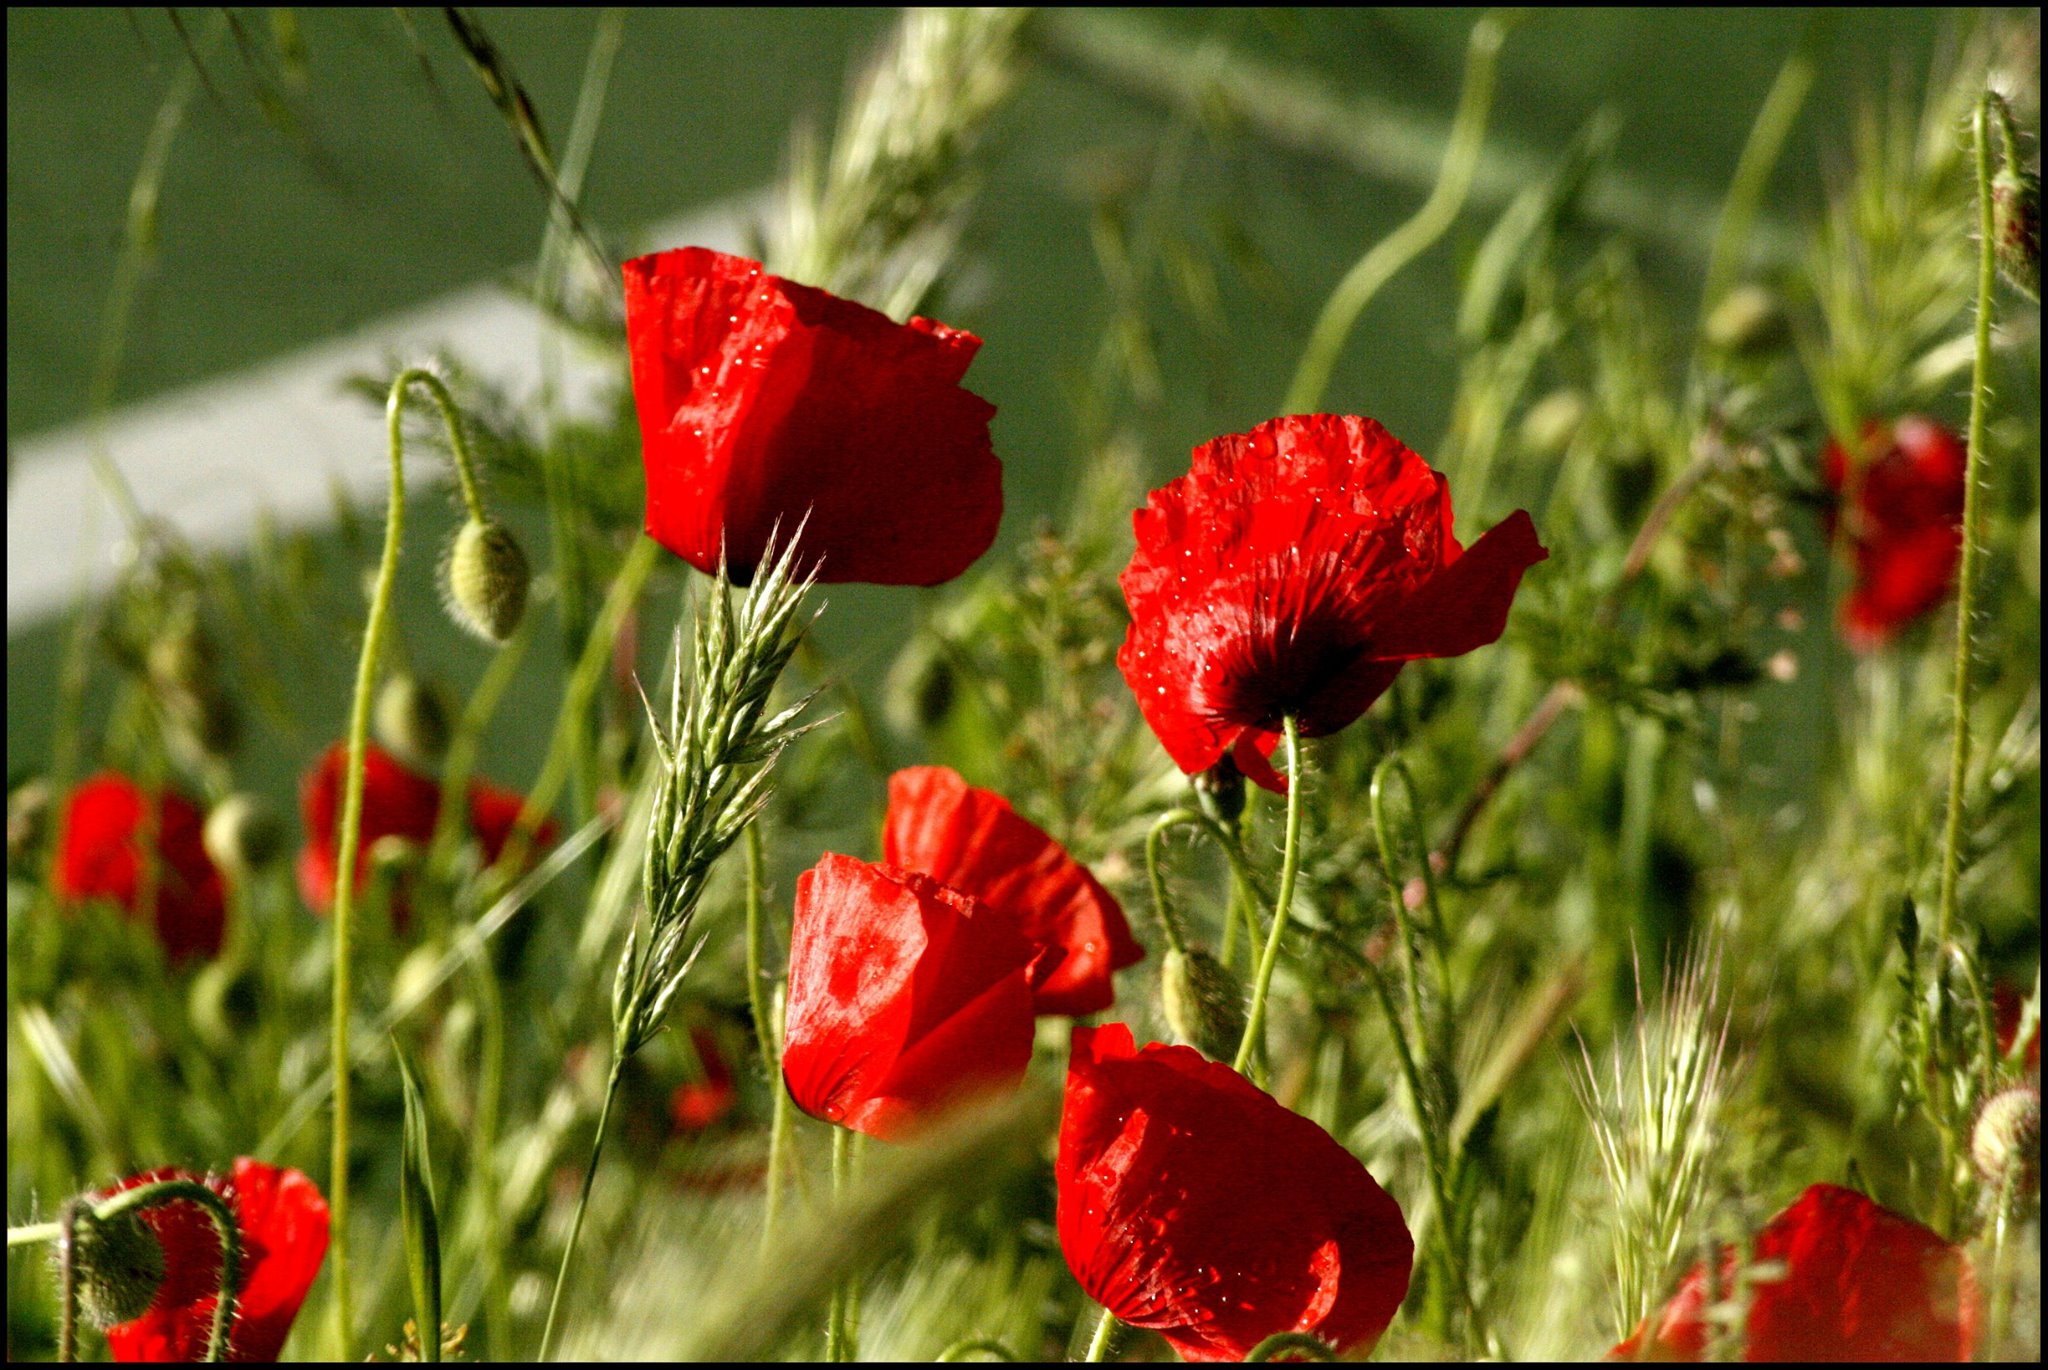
(1204, 1002)
(412, 720)
(242, 834)
(1220, 791)
(120, 1265)
(487, 580)
(2006, 1144)
(1553, 421)
(1747, 321)
(223, 1003)
(2016, 226)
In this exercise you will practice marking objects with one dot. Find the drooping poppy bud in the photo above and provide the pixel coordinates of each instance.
(1903, 522)
(120, 1265)
(141, 851)
(2016, 228)
(242, 834)
(905, 997)
(412, 719)
(1859, 1283)
(971, 840)
(1204, 1002)
(1192, 1203)
(487, 579)
(1292, 572)
(766, 403)
(282, 1220)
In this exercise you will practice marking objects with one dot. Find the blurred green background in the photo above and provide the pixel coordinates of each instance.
(369, 172)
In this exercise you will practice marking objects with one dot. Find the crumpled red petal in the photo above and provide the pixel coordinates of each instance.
(1291, 572)
(1860, 1283)
(904, 998)
(1191, 1203)
(972, 840)
(763, 403)
(100, 856)
(283, 1223)
(1904, 524)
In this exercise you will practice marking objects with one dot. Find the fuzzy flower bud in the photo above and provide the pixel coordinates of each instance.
(1748, 320)
(412, 720)
(120, 1265)
(2006, 1144)
(223, 1003)
(242, 834)
(1204, 1002)
(487, 579)
(2016, 226)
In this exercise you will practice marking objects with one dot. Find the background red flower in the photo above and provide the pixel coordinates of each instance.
(762, 400)
(1293, 570)
(1190, 1202)
(903, 996)
(1860, 1284)
(396, 803)
(1904, 524)
(972, 840)
(101, 851)
(702, 1103)
(283, 1223)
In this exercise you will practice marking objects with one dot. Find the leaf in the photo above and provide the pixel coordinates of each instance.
(416, 1211)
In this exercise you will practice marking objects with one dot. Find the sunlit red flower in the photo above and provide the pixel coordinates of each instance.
(1903, 523)
(972, 840)
(1293, 571)
(110, 826)
(1192, 1203)
(762, 401)
(396, 803)
(283, 1224)
(1858, 1283)
(703, 1103)
(904, 996)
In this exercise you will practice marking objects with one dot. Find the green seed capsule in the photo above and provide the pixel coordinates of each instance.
(1204, 1002)
(120, 1265)
(487, 580)
(412, 720)
(242, 834)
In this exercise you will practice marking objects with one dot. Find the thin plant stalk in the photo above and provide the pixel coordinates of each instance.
(604, 1115)
(1966, 575)
(1290, 860)
(839, 1345)
(352, 795)
(1105, 1333)
(1388, 257)
(764, 1027)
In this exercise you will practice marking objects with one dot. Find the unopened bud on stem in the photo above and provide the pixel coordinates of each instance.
(2006, 1144)
(1204, 1002)
(487, 580)
(412, 720)
(242, 834)
(120, 1265)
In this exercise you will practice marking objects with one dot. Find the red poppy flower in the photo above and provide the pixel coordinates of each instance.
(100, 856)
(702, 1103)
(763, 401)
(1293, 570)
(904, 996)
(1190, 1202)
(1904, 524)
(2009, 1005)
(283, 1223)
(396, 803)
(1859, 1283)
(972, 840)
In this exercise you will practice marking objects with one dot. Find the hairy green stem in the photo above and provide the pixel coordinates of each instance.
(28, 1234)
(1162, 902)
(985, 1346)
(764, 1026)
(839, 1336)
(1966, 576)
(1290, 859)
(1386, 258)
(604, 1115)
(1105, 1333)
(67, 1283)
(160, 1192)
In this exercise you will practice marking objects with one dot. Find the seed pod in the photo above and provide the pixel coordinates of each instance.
(120, 1265)
(223, 1003)
(2016, 226)
(1204, 1002)
(1220, 791)
(1748, 320)
(487, 580)
(2006, 1144)
(412, 720)
(242, 834)
(1553, 421)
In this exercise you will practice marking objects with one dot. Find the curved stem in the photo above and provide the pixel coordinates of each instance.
(160, 1192)
(1386, 258)
(1966, 577)
(1169, 919)
(1290, 858)
(67, 1283)
(1105, 1332)
(604, 1115)
(1390, 870)
(987, 1346)
(1301, 1344)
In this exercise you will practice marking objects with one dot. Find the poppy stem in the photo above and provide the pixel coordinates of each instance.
(839, 1330)
(28, 1234)
(1162, 902)
(764, 1028)
(1966, 575)
(161, 1192)
(67, 1283)
(604, 1115)
(1290, 859)
(1105, 1336)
